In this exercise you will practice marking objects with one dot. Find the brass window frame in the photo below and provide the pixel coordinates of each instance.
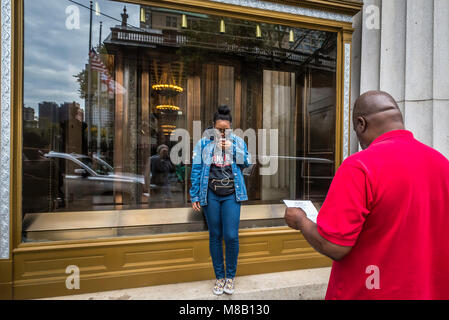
(22, 251)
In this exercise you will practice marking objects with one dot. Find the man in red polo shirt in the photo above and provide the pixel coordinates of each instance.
(385, 220)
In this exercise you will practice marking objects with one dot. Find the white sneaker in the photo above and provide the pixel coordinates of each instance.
(229, 286)
(219, 285)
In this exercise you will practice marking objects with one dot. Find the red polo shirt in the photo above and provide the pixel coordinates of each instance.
(390, 203)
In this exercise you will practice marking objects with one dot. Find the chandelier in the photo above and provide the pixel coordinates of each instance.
(168, 88)
(167, 107)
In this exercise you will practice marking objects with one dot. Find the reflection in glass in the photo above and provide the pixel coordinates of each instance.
(99, 121)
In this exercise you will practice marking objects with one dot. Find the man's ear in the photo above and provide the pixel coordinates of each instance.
(361, 124)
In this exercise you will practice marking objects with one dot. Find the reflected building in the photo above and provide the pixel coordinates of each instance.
(48, 113)
(71, 118)
(28, 114)
(29, 120)
(178, 67)
(64, 124)
(49, 125)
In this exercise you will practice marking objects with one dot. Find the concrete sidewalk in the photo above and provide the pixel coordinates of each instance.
(290, 285)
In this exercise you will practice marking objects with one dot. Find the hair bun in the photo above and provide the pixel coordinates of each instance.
(224, 110)
(223, 113)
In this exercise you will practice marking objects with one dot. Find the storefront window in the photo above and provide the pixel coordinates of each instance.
(101, 118)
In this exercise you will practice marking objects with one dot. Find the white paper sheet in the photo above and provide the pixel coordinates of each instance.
(307, 206)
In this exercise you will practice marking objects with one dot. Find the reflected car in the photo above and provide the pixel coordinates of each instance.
(84, 182)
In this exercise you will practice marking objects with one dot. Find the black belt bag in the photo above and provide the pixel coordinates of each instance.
(223, 187)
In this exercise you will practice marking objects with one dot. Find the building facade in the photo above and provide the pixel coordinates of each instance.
(111, 82)
(400, 47)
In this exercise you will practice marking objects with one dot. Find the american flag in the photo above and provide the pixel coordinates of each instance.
(96, 62)
(112, 85)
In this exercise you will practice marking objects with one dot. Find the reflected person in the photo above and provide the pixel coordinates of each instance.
(218, 186)
(159, 165)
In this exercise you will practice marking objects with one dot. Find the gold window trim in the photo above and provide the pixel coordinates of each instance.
(38, 269)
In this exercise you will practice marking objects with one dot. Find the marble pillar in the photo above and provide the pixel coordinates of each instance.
(407, 57)
(441, 77)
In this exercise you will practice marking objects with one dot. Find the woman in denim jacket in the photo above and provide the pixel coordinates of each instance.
(219, 188)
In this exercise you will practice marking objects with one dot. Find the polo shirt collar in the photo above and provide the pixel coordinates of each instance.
(393, 135)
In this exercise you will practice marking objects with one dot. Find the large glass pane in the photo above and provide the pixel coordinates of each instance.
(107, 91)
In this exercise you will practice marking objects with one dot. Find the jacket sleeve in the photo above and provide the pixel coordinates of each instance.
(242, 156)
(195, 176)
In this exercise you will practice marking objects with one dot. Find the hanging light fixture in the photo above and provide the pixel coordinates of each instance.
(142, 15)
(258, 32)
(167, 87)
(168, 107)
(222, 26)
(168, 129)
(291, 37)
(184, 21)
(97, 9)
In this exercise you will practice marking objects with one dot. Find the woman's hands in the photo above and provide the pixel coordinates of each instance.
(196, 206)
(225, 144)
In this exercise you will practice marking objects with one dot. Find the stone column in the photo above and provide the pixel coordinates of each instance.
(370, 53)
(392, 49)
(441, 77)
(419, 70)
(355, 75)
(371, 37)
(407, 57)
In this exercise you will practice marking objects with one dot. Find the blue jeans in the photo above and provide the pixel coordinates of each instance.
(223, 219)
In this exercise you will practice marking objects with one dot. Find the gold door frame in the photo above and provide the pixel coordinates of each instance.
(38, 269)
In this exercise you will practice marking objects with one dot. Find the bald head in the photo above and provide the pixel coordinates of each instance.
(377, 103)
(375, 113)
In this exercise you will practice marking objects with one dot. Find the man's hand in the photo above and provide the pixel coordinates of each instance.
(297, 219)
(196, 206)
(293, 217)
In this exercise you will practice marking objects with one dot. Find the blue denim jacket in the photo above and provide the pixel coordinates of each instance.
(202, 160)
